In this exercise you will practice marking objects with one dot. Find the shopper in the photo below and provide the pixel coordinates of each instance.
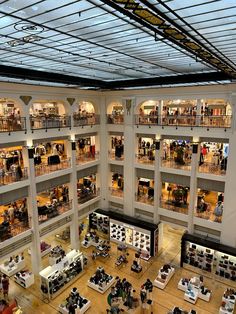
(5, 286)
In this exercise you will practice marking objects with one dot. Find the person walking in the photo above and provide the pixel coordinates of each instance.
(5, 286)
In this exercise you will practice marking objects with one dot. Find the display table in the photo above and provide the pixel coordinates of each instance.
(182, 311)
(193, 291)
(228, 302)
(62, 274)
(161, 282)
(101, 281)
(63, 310)
(12, 267)
(191, 295)
(24, 278)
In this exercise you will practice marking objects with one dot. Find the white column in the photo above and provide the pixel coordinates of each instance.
(193, 185)
(157, 180)
(199, 111)
(160, 109)
(104, 166)
(129, 153)
(33, 212)
(228, 233)
(74, 227)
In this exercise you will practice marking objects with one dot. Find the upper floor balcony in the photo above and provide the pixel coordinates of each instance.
(50, 122)
(86, 119)
(83, 158)
(8, 124)
(115, 118)
(51, 164)
(53, 209)
(116, 191)
(87, 194)
(14, 174)
(209, 121)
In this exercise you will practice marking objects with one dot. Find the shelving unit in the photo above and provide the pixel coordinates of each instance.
(24, 278)
(99, 222)
(58, 276)
(163, 277)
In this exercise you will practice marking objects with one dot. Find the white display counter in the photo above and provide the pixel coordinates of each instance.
(229, 305)
(162, 283)
(63, 310)
(24, 279)
(12, 268)
(191, 295)
(102, 289)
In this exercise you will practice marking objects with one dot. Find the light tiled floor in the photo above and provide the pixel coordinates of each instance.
(164, 300)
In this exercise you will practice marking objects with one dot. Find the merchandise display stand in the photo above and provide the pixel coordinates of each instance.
(132, 232)
(164, 276)
(10, 268)
(57, 254)
(101, 281)
(182, 311)
(228, 302)
(63, 309)
(208, 258)
(58, 276)
(24, 278)
(91, 239)
(193, 290)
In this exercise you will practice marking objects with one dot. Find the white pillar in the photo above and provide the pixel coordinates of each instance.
(228, 233)
(160, 109)
(157, 179)
(104, 166)
(33, 213)
(199, 112)
(129, 153)
(74, 227)
(193, 185)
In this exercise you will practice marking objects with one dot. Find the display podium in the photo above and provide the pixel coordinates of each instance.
(11, 268)
(163, 277)
(63, 310)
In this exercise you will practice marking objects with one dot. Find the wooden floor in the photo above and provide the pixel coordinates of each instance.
(164, 300)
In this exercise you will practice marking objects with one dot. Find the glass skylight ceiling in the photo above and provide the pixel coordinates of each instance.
(89, 39)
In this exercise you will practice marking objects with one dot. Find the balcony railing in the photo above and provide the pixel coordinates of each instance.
(115, 119)
(90, 119)
(116, 192)
(12, 230)
(86, 157)
(89, 195)
(208, 214)
(145, 159)
(8, 177)
(112, 156)
(212, 168)
(145, 199)
(171, 163)
(48, 168)
(221, 121)
(47, 212)
(56, 122)
(12, 124)
(174, 206)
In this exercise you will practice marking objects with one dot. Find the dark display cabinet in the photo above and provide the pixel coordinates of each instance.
(209, 256)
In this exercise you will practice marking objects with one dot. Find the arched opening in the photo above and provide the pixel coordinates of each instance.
(10, 113)
(84, 114)
(48, 114)
(148, 112)
(216, 112)
(115, 113)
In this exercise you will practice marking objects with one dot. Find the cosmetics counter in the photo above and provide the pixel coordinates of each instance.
(208, 257)
(57, 277)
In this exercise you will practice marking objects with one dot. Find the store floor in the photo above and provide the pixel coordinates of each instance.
(164, 300)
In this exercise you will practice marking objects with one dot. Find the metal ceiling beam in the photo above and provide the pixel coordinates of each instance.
(34, 75)
(150, 18)
(27, 74)
(170, 80)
